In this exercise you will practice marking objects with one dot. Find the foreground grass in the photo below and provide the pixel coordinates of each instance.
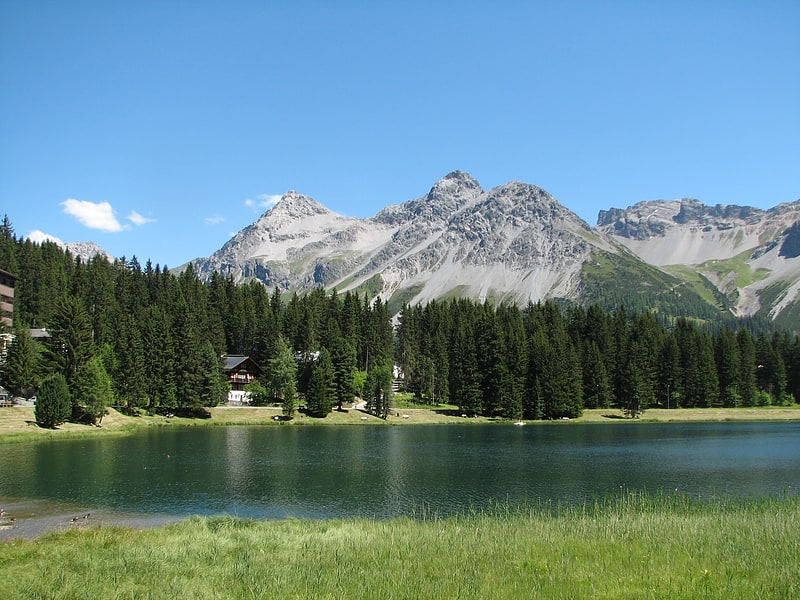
(633, 547)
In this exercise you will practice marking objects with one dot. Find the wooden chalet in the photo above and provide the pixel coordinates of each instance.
(240, 370)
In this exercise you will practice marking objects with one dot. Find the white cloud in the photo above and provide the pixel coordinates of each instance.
(263, 201)
(214, 220)
(37, 237)
(95, 215)
(138, 219)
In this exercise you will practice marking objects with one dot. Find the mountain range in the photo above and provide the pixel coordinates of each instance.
(516, 243)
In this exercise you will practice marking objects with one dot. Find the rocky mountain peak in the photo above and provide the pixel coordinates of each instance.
(449, 194)
(454, 185)
(297, 206)
(87, 251)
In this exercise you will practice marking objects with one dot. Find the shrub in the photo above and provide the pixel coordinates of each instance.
(54, 402)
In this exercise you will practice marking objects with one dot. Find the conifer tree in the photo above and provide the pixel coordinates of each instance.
(282, 377)
(378, 390)
(71, 343)
(515, 361)
(99, 299)
(213, 385)
(8, 247)
(632, 390)
(350, 324)
(669, 374)
(538, 353)
(21, 370)
(93, 390)
(158, 359)
(747, 368)
(437, 366)
(129, 368)
(729, 367)
(490, 361)
(343, 360)
(464, 384)
(409, 348)
(596, 387)
(53, 402)
(189, 349)
(378, 336)
(700, 386)
(792, 362)
(320, 392)
(561, 382)
(770, 370)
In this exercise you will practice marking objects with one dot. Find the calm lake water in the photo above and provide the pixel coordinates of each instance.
(322, 472)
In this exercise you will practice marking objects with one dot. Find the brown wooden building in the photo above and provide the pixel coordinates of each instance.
(240, 371)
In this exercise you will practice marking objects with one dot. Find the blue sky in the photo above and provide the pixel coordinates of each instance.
(159, 128)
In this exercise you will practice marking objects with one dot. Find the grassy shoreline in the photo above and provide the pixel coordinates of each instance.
(634, 546)
(17, 423)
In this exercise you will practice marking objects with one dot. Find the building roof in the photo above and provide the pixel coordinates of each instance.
(238, 361)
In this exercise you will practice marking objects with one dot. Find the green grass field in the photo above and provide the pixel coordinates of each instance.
(634, 546)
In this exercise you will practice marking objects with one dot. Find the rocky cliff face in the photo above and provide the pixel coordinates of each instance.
(667, 232)
(748, 255)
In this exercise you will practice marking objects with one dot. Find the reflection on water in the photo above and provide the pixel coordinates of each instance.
(321, 472)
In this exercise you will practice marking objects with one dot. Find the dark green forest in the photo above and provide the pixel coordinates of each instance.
(139, 337)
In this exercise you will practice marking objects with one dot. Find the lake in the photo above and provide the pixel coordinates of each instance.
(372, 471)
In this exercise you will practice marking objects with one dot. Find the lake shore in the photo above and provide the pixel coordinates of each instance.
(17, 424)
(34, 517)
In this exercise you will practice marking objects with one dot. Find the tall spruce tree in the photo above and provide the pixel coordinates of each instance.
(490, 361)
(21, 370)
(596, 387)
(747, 367)
(158, 359)
(343, 361)
(669, 372)
(213, 385)
(320, 392)
(465, 388)
(282, 377)
(8, 247)
(729, 366)
(129, 370)
(71, 344)
(770, 370)
(189, 357)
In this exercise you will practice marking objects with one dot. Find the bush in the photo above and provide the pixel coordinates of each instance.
(54, 402)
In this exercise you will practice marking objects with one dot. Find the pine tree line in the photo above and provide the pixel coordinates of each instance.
(542, 362)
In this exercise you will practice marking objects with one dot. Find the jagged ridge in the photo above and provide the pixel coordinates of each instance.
(517, 243)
